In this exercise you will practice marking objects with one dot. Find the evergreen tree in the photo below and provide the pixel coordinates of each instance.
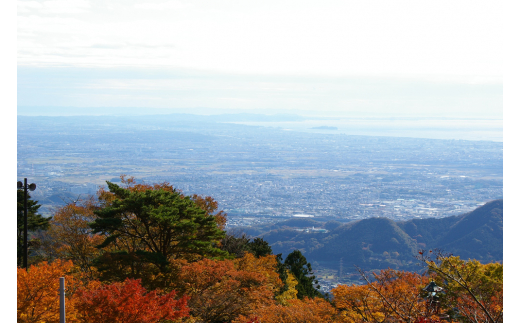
(238, 244)
(281, 269)
(260, 248)
(148, 228)
(302, 271)
(235, 245)
(35, 221)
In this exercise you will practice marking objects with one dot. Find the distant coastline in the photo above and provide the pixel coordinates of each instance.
(445, 128)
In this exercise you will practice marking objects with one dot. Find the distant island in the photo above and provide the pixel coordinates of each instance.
(325, 128)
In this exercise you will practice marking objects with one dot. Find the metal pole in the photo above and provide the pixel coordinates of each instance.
(62, 299)
(25, 223)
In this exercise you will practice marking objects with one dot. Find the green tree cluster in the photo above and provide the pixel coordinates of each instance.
(238, 245)
(146, 229)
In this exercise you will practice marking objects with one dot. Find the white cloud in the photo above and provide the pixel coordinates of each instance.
(65, 6)
(26, 6)
(270, 37)
(53, 7)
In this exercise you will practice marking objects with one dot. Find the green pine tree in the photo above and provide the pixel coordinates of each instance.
(35, 221)
(302, 271)
(148, 228)
(260, 248)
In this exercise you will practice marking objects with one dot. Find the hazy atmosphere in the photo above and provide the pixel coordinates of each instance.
(355, 58)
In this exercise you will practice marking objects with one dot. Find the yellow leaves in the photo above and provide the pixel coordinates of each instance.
(475, 288)
(291, 292)
(266, 266)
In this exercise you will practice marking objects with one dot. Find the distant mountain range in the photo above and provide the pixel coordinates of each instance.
(378, 243)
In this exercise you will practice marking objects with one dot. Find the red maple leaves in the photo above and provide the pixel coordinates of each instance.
(129, 302)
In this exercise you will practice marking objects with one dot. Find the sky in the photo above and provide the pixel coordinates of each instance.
(385, 58)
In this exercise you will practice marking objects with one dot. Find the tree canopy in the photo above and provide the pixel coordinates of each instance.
(153, 225)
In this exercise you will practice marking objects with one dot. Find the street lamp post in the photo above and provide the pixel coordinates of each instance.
(31, 187)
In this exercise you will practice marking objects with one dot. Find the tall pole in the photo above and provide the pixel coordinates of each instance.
(62, 299)
(25, 223)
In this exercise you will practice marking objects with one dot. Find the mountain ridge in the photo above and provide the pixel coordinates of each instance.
(377, 243)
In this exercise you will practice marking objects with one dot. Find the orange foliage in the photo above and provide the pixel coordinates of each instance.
(222, 290)
(394, 295)
(128, 302)
(358, 304)
(38, 298)
(427, 320)
(38, 295)
(468, 307)
(308, 310)
(402, 292)
(265, 266)
(209, 205)
(71, 236)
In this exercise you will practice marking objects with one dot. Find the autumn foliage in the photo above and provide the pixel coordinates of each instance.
(392, 295)
(70, 236)
(474, 289)
(358, 303)
(90, 301)
(148, 253)
(220, 291)
(37, 291)
(128, 302)
(308, 310)
(243, 290)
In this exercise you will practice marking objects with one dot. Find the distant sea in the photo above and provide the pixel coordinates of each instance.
(431, 128)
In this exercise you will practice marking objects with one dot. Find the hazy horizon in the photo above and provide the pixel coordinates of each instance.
(473, 129)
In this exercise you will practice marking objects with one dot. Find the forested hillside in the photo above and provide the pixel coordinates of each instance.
(378, 243)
